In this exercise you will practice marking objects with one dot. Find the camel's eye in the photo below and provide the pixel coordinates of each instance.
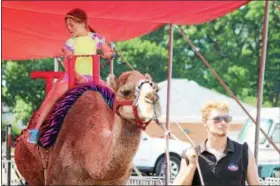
(126, 92)
(156, 89)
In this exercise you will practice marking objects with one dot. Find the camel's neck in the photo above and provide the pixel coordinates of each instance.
(126, 140)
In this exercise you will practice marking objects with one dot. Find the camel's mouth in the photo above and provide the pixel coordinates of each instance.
(148, 100)
(153, 101)
(151, 109)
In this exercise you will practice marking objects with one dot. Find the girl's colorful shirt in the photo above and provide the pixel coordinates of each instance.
(84, 45)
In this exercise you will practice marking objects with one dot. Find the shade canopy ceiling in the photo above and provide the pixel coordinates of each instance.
(36, 29)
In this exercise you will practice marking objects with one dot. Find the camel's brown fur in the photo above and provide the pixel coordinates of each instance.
(94, 146)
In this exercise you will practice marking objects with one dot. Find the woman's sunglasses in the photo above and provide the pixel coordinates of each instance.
(219, 119)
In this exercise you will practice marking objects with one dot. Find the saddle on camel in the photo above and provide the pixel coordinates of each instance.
(92, 134)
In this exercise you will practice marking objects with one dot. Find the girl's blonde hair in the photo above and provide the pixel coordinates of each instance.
(211, 105)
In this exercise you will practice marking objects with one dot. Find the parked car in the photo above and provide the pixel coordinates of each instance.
(150, 157)
(268, 157)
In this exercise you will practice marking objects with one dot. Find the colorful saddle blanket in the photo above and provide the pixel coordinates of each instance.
(51, 127)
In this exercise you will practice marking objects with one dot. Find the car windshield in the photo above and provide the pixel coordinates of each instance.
(249, 129)
(276, 134)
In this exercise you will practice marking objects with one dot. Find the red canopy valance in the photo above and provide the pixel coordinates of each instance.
(36, 29)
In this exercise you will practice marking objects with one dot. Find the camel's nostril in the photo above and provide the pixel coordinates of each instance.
(156, 99)
(153, 97)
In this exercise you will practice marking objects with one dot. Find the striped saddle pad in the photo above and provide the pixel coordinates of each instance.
(51, 127)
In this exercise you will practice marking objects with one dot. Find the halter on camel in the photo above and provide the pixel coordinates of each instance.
(134, 103)
(156, 120)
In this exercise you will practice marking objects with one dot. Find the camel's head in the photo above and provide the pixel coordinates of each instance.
(136, 96)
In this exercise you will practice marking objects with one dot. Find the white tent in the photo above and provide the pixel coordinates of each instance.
(187, 98)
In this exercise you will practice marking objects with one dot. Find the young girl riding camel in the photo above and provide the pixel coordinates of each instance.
(84, 41)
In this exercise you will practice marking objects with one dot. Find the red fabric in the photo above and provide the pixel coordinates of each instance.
(36, 29)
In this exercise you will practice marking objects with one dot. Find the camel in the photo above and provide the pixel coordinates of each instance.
(96, 144)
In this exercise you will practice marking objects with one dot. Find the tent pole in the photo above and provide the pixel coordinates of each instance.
(167, 136)
(8, 152)
(261, 75)
(55, 66)
(111, 66)
(111, 62)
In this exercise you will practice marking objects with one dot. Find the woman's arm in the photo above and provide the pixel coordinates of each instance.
(252, 171)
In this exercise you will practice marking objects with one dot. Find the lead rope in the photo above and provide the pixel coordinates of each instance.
(168, 132)
(193, 144)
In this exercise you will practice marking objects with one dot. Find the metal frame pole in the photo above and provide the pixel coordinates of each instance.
(167, 136)
(261, 75)
(55, 66)
(111, 66)
(8, 153)
(113, 46)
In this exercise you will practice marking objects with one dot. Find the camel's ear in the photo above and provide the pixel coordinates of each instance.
(112, 82)
(147, 76)
(123, 77)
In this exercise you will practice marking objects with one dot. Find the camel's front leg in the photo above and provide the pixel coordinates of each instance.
(64, 177)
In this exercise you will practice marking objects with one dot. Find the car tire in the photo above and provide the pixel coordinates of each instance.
(276, 173)
(175, 163)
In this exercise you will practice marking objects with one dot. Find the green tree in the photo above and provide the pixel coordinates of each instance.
(142, 55)
(231, 44)
(21, 93)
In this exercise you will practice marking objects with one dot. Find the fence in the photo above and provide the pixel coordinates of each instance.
(134, 180)
(270, 181)
(16, 179)
(10, 176)
(145, 180)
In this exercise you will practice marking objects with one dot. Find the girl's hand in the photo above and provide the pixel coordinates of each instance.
(111, 56)
(67, 53)
(81, 79)
(107, 51)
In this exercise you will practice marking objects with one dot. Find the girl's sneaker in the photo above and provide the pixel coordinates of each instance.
(33, 136)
